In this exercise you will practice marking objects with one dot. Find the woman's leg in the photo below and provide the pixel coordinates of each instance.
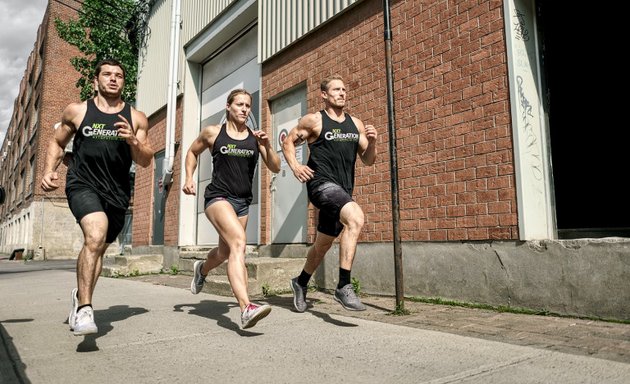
(233, 239)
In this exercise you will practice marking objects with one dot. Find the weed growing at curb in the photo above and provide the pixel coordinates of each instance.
(356, 285)
(266, 291)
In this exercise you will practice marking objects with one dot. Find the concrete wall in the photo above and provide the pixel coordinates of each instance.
(55, 232)
(589, 277)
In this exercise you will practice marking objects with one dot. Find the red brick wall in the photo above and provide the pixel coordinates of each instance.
(454, 144)
(142, 225)
(57, 90)
(171, 221)
(143, 201)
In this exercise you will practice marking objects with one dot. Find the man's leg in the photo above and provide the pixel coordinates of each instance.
(352, 218)
(317, 251)
(89, 265)
(314, 257)
(330, 199)
(90, 261)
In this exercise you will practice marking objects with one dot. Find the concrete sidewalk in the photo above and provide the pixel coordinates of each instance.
(153, 333)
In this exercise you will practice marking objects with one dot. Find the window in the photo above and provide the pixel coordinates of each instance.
(31, 174)
(22, 182)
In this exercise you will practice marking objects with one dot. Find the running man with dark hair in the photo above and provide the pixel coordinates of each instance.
(109, 135)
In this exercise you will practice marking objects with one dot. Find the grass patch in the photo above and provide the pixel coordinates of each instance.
(117, 274)
(268, 292)
(508, 309)
(400, 310)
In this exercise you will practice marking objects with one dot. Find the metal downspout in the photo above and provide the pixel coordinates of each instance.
(171, 104)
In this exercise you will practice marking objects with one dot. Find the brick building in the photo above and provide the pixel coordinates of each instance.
(39, 223)
(484, 216)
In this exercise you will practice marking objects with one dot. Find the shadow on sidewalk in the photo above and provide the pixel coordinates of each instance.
(287, 302)
(104, 319)
(12, 368)
(218, 311)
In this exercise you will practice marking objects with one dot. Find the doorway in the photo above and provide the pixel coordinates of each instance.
(589, 146)
(159, 200)
(289, 203)
(234, 66)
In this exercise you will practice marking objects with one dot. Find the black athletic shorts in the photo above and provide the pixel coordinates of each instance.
(85, 201)
(329, 198)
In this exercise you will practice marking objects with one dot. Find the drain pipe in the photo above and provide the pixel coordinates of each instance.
(171, 103)
(391, 118)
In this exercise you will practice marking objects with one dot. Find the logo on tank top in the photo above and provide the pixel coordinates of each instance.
(99, 132)
(338, 135)
(231, 150)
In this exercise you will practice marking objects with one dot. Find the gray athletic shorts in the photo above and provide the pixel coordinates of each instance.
(241, 206)
(329, 198)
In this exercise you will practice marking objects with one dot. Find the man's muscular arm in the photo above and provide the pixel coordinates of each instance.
(302, 132)
(136, 137)
(367, 142)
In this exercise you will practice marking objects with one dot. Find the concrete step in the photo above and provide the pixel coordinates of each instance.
(188, 256)
(265, 275)
(220, 285)
(128, 265)
(186, 265)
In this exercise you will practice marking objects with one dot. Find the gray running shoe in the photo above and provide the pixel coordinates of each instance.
(84, 322)
(253, 314)
(198, 279)
(348, 299)
(74, 303)
(299, 295)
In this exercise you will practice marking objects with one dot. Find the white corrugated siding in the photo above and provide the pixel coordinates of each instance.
(282, 22)
(153, 76)
(153, 67)
(197, 14)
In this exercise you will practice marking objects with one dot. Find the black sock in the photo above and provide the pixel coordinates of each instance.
(344, 278)
(303, 279)
(84, 305)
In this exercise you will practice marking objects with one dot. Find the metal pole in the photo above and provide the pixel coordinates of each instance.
(391, 120)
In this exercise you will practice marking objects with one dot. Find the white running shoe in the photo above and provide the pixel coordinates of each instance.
(74, 303)
(84, 322)
(299, 295)
(198, 279)
(254, 313)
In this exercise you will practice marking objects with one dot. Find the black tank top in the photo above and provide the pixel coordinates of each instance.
(101, 160)
(233, 166)
(334, 153)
